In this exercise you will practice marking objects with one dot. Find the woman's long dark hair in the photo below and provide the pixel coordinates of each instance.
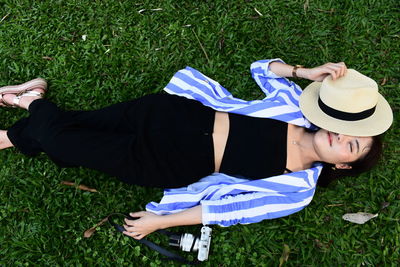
(330, 173)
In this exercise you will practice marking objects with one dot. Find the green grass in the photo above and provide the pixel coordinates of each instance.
(127, 55)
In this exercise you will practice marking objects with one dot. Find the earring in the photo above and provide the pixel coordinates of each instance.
(333, 168)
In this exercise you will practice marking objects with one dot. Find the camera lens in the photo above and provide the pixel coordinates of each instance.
(175, 240)
(187, 242)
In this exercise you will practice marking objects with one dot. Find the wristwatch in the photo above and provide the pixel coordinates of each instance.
(294, 71)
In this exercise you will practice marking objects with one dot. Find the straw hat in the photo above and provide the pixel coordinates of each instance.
(349, 105)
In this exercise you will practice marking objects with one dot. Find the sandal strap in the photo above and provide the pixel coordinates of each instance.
(30, 93)
(18, 97)
(16, 101)
(24, 87)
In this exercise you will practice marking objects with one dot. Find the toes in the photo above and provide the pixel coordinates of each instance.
(7, 99)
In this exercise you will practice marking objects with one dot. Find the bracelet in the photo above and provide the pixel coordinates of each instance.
(294, 71)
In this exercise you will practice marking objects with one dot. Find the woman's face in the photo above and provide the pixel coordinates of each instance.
(340, 149)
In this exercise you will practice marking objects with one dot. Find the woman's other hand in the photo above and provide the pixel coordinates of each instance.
(146, 223)
(149, 222)
(336, 70)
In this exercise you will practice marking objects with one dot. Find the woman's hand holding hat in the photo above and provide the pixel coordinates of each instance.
(318, 74)
(336, 70)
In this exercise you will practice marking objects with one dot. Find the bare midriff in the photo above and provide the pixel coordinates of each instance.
(220, 137)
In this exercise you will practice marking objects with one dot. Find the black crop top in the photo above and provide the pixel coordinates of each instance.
(256, 147)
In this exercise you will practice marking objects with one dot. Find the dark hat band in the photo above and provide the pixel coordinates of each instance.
(347, 116)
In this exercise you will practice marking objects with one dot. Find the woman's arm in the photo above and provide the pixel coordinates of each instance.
(336, 70)
(149, 222)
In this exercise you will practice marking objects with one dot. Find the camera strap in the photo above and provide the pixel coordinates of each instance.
(170, 255)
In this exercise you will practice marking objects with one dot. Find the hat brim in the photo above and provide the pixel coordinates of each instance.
(376, 124)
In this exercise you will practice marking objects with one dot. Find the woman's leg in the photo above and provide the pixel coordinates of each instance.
(154, 156)
(55, 132)
(115, 118)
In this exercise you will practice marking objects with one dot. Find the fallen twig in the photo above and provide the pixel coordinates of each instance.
(334, 205)
(81, 186)
(155, 9)
(326, 11)
(4, 17)
(202, 48)
(258, 12)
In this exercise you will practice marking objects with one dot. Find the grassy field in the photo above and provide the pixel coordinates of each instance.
(94, 53)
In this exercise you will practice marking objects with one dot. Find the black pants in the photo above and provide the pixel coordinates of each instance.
(158, 140)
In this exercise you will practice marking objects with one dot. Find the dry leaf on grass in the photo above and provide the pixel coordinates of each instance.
(285, 255)
(81, 186)
(321, 245)
(359, 217)
(306, 5)
(47, 58)
(384, 205)
(89, 232)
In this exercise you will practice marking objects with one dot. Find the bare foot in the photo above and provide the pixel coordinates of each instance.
(4, 141)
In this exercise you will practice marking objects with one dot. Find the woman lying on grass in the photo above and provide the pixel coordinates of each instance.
(230, 161)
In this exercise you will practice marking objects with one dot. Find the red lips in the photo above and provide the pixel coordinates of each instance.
(330, 138)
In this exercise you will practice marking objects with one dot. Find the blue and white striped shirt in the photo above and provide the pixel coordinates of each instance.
(227, 200)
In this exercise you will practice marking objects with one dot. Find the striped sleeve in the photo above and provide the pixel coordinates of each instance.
(276, 88)
(253, 207)
(274, 197)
